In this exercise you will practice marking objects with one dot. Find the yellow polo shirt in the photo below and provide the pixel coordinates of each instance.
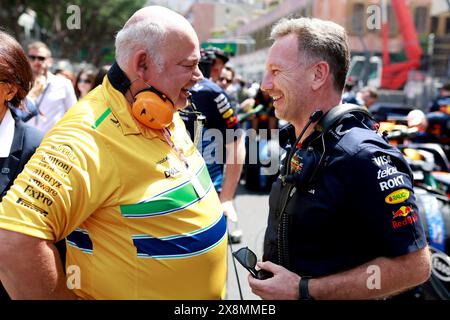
(139, 223)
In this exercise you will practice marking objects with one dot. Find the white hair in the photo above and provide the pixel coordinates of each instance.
(141, 34)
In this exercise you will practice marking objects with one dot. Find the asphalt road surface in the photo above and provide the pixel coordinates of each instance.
(252, 209)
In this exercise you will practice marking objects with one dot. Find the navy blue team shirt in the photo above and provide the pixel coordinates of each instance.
(359, 207)
(214, 103)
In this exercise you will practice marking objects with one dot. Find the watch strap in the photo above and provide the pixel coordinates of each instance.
(303, 289)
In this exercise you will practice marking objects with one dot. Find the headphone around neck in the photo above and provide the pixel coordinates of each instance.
(302, 165)
(151, 107)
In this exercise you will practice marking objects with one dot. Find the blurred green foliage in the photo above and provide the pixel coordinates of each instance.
(92, 42)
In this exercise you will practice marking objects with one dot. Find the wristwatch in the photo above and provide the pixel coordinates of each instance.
(303, 291)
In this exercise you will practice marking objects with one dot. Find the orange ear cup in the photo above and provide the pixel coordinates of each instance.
(153, 112)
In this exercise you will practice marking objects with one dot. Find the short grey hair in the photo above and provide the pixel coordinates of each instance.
(142, 34)
(319, 39)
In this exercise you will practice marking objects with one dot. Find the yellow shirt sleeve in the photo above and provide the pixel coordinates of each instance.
(70, 176)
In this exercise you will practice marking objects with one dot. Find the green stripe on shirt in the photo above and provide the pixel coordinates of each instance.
(177, 198)
(101, 119)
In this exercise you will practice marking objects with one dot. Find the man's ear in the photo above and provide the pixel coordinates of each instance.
(321, 72)
(140, 63)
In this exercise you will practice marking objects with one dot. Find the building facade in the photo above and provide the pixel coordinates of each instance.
(354, 15)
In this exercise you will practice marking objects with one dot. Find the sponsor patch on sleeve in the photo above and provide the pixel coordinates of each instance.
(397, 196)
(404, 216)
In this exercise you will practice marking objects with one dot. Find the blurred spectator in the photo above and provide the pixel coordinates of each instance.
(28, 112)
(226, 78)
(439, 127)
(85, 82)
(214, 103)
(219, 62)
(226, 83)
(101, 74)
(52, 95)
(241, 87)
(66, 74)
(433, 127)
(349, 95)
(442, 102)
(253, 89)
(417, 119)
(18, 140)
(264, 119)
(368, 97)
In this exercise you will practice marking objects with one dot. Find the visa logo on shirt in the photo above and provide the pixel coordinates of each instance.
(382, 160)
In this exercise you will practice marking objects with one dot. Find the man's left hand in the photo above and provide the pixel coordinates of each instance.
(229, 211)
(282, 286)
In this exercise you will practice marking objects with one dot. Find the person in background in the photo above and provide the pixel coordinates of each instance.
(52, 95)
(241, 87)
(433, 127)
(349, 95)
(18, 140)
(101, 74)
(85, 82)
(221, 58)
(368, 96)
(439, 128)
(417, 119)
(226, 82)
(265, 119)
(442, 102)
(67, 74)
(225, 161)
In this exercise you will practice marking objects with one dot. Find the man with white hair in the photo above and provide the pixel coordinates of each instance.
(120, 179)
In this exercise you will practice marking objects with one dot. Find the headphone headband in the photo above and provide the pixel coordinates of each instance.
(310, 158)
(118, 78)
(158, 93)
(335, 115)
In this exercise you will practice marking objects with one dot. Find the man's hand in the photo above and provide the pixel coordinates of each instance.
(229, 211)
(395, 276)
(282, 286)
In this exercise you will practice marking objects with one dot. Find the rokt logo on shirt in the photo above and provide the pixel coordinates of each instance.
(392, 183)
